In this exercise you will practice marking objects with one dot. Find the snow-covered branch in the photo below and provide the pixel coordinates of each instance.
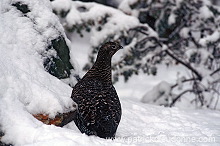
(171, 54)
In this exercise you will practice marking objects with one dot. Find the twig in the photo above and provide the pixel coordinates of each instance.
(184, 92)
(174, 57)
(214, 72)
(185, 64)
(216, 103)
(216, 81)
(186, 80)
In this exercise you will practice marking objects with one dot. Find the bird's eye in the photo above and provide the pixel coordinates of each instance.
(113, 47)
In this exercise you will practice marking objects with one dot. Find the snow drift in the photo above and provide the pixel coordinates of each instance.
(25, 87)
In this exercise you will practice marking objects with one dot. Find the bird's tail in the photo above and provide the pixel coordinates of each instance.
(107, 127)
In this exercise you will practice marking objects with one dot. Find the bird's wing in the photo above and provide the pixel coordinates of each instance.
(97, 102)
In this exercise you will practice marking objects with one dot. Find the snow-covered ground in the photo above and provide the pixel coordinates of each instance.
(142, 124)
(26, 88)
(148, 124)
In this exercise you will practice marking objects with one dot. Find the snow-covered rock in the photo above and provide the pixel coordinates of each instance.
(27, 30)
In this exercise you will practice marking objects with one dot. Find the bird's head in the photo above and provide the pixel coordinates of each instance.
(110, 48)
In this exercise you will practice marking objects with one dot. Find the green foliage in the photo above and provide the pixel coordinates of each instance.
(21, 7)
(56, 55)
(59, 65)
(170, 32)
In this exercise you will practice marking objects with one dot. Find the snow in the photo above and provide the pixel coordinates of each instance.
(145, 124)
(172, 19)
(125, 7)
(26, 88)
(65, 6)
(22, 65)
(205, 12)
(87, 12)
(184, 32)
(203, 53)
(206, 81)
(210, 38)
(158, 94)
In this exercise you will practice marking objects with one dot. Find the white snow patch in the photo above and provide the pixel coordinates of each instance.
(125, 7)
(203, 53)
(61, 5)
(172, 19)
(205, 12)
(184, 32)
(210, 38)
(158, 94)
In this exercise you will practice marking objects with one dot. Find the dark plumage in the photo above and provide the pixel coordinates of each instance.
(99, 109)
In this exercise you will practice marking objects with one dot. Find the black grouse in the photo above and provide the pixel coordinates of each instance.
(99, 109)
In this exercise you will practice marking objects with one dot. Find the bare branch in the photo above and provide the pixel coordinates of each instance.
(216, 103)
(171, 54)
(218, 93)
(178, 97)
(186, 80)
(214, 72)
(216, 81)
(194, 41)
(185, 64)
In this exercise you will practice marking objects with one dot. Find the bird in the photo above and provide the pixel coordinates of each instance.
(98, 107)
